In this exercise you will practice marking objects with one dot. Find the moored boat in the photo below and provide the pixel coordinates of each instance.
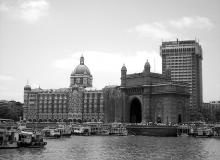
(152, 130)
(51, 133)
(118, 129)
(204, 132)
(31, 139)
(82, 130)
(65, 131)
(8, 134)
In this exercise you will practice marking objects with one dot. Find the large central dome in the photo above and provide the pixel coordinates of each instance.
(81, 75)
(81, 69)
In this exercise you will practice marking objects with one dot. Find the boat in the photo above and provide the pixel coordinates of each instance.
(8, 134)
(65, 131)
(204, 132)
(200, 129)
(104, 130)
(51, 133)
(118, 129)
(31, 139)
(216, 131)
(82, 130)
(104, 133)
(161, 130)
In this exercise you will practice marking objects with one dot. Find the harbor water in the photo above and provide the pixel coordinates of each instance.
(119, 147)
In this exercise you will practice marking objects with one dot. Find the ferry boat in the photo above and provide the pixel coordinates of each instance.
(8, 134)
(51, 133)
(104, 130)
(204, 132)
(200, 129)
(118, 129)
(81, 130)
(31, 139)
(216, 131)
(161, 130)
(65, 131)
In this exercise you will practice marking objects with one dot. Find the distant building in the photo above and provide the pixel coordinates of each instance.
(146, 97)
(75, 104)
(211, 111)
(184, 58)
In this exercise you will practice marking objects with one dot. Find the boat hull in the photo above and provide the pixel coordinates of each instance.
(162, 131)
(33, 144)
(9, 145)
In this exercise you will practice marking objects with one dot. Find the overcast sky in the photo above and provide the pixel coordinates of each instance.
(42, 40)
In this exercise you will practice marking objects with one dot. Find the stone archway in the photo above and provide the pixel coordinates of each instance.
(135, 111)
(179, 118)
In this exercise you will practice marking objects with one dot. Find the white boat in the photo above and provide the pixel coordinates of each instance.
(51, 133)
(64, 130)
(8, 134)
(31, 139)
(118, 129)
(82, 130)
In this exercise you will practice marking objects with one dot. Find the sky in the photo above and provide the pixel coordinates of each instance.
(41, 41)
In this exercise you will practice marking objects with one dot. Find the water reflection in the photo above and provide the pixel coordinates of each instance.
(128, 147)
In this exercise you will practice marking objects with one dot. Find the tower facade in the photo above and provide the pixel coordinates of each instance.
(184, 59)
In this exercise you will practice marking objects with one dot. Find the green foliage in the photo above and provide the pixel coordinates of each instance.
(11, 110)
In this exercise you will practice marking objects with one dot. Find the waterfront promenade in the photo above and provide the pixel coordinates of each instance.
(120, 147)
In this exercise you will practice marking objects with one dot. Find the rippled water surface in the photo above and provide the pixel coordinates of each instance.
(121, 147)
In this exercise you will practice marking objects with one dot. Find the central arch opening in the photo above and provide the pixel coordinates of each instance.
(135, 111)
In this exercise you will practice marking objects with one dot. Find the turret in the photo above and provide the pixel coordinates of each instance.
(82, 60)
(27, 88)
(147, 67)
(123, 75)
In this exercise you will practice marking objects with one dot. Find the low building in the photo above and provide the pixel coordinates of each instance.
(211, 111)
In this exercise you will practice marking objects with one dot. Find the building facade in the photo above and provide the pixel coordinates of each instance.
(146, 97)
(211, 111)
(184, 58)
(141, 97)
(76, 103)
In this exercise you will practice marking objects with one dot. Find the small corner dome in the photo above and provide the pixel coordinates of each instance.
(27, 86)
(123, 68)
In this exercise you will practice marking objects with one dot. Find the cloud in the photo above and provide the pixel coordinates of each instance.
(27, 10)
(6, 78)
(3, 7)
(172, 28)
(33, 10)
(2, 88)
(106, 66)
(155, 30)
(196, 22)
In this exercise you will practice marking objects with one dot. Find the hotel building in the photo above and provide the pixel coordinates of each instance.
(77, 103)
(184, 59)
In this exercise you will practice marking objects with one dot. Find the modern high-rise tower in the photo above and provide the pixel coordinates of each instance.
(184, 58)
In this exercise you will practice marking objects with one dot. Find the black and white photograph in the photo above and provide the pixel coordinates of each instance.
(109, 80)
